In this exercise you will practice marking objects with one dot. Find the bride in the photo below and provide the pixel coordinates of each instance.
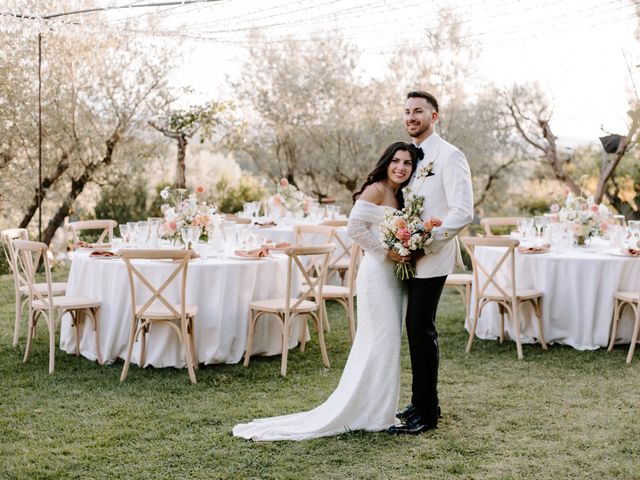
(367, 396)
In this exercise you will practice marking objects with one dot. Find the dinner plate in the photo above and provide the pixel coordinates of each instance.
(618, 253)
(238, 257)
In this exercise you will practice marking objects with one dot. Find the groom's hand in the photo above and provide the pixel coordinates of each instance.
(396, 257)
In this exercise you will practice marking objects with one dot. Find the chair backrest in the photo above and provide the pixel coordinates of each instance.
(28, 255)
(181, 257)
(490, 222)
(6, 238)
(106, 226)
(308, 235)
(310, 287)
(487, 274)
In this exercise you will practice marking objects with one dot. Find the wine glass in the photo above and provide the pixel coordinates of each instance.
(133, 230)
(124, 232)
(538, 222)
(634, 228)
(187, 236)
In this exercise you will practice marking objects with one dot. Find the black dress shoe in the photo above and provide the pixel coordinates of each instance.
(406, 412)
(410, 410)
(413, 425)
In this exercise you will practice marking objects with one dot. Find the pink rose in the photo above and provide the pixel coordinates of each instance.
(594, 208)
(284, 182)
(577, 229)
(205, 219)
(604, 226)
(403, 234)
(400, 223)
(200, 189)
(278, 200)
(169, 227)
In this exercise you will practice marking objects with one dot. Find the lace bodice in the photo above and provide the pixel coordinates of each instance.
(363, 225)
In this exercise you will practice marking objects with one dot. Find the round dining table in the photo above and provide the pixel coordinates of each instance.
(222, 289)
(577, 287)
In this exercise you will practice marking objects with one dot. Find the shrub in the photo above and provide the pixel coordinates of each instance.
(123, 202)
(231, 198)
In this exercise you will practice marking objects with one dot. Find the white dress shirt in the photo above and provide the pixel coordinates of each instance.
(448, 195)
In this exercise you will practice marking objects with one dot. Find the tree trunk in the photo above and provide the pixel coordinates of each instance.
(77, 186)
(181, 176)
(62, 167)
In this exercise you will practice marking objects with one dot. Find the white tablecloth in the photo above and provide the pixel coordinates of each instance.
(221, 288)
(577, 305)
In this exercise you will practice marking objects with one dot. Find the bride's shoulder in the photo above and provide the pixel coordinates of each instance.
(374, 193)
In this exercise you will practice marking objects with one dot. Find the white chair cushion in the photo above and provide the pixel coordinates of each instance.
(278, 305)
(57, 288)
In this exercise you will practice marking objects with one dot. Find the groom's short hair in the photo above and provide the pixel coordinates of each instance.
(426, 95)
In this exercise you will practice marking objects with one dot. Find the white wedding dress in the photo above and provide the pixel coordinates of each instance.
(367, 396)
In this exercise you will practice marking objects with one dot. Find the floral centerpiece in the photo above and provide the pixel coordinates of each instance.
(404, 232)
(184, 211)
(588, 218)
(289, 198)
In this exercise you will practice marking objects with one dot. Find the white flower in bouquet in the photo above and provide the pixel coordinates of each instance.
(404, 232)
(183, 212)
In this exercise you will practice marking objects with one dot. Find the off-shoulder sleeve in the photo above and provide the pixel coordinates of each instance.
(362, 217)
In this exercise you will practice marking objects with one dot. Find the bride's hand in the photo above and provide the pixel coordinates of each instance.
(396, 257)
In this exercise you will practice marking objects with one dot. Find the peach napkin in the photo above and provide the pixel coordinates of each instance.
(634, 252)
(276, 246)
(534, 249)
(266, 224)
(255, 253)
(82, 244)
(102, 253)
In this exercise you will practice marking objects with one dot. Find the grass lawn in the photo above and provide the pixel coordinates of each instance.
(557, 414)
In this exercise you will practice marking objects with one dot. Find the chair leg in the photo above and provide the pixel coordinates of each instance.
(323, 347)
(18, 320)
(501, 310)
(614, 325)
(187, 343)
(467, 300)
(143, 345)
(304, 328)
(76, 319)
(31, 331)
(253, 318)
(474, 324)
(51, 325)
(286, 326)
(634, 337)
(538, 310)
(127, 360)
(325, 317)
(194, 355)
(95, 315)
(516, 323)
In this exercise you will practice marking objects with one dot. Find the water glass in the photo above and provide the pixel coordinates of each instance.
(634, 228)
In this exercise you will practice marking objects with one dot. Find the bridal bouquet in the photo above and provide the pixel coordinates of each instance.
(404, 232)
(180, 212)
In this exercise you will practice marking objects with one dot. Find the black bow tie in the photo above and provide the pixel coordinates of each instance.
(420, 153)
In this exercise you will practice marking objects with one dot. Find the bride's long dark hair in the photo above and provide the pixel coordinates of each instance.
(379, 172)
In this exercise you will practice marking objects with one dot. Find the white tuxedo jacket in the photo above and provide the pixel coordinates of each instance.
(448, 195)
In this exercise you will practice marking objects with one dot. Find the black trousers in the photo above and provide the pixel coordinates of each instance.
(424, 295)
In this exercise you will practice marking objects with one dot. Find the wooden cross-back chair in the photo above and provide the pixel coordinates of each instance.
(51, 307)
(106, 227)
(488, 287)
(297, 302)
(491, 222)
(339, 261)
(21, 287)
(157, 308)
(622, 299)
(345, 295)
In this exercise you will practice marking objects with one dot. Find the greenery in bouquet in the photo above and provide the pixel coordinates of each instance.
(290, 198)
(404, 232)
(181, 210)
(588, 218)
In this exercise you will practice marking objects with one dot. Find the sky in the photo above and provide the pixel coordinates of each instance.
(583, 52)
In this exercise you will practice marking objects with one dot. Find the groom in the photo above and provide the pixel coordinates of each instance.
(443, 178)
